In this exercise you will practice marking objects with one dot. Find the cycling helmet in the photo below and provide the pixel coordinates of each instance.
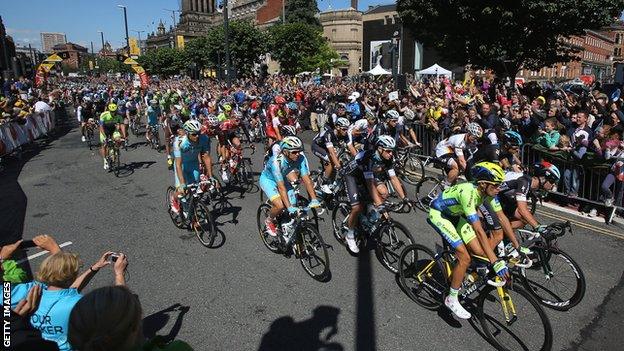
(154, 102)
(488, 172)
(371, 116)
(342, 123)
(409, 114)
(112, 107)
(548, 170)
(386, 142)
(212, 120)
(288, 131)
(505, 123)
(392, 115)
(292, 143)
(280, 100)
(192, 126)
(475, 130)
(227, 107)
(291, 106)
(361, 125)
(512, 138)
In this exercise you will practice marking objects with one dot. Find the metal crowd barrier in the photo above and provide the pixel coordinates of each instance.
(428, 138)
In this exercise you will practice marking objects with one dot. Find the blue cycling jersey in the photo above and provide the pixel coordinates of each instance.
(189, 151)
(279, 166)
(152, 115)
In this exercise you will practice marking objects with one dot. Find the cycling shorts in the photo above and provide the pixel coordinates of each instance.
(191, 174)
(109, 131)
(321, 153)
(356, 190)
(490, 219)
(269, 187)
(448, 160)
(455, 230)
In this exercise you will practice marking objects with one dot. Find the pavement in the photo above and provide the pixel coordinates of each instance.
(240, 296)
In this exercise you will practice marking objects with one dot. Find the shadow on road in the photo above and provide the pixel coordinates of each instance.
(365, 328)
(309, 335)
(14, 202)
(155, 322)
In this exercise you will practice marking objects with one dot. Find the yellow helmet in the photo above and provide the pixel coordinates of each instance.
(112, 107)
(488, 172)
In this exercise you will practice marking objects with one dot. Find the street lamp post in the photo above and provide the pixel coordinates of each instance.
(226, 24)
(102, 35)
(126, 24)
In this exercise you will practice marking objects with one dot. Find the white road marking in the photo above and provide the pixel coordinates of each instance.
(41, 253)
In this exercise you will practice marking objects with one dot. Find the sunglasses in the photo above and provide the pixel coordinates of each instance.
(193, 134)
(389, 151)
(296, 152)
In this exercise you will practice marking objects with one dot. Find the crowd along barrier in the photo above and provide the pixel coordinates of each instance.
(13, 135)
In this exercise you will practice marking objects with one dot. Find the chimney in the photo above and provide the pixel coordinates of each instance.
(354, 4)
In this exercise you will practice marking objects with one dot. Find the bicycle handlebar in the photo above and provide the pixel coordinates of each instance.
(497, 282)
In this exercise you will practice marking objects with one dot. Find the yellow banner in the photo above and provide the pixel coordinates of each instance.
(130, 61)
(180, 42)
(47, 66)
(138, 69)
(134, 47)
(54, 58)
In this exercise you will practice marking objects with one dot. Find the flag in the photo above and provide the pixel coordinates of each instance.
(180, 42)
(130, 61)
(54, 58)
(134, 47)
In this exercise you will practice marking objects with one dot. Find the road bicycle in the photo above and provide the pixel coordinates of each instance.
(555, 279)
(408, 164)
(90, 129)
(154, 137)
(113, 155)
(238, 168)
(194, 210)
(510, 317)
(387, 236)
(135, 125)
(297, 235)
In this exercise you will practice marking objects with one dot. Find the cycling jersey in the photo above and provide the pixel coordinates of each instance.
(362, 137)
(370, 165)
(384, 129)
(189, 152)
(276, 169)
(327, 138)
(453, 144)
(107, 118)
(153, 113)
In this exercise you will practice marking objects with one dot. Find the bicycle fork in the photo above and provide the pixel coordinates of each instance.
(509, 310)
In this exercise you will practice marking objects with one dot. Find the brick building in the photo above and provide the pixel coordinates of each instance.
(76, 52)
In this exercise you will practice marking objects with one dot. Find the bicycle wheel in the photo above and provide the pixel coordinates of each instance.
(526, 328)
(270, 242)
(176, 218)
(413, 169)
(427, 189)
(339, 218)
(312, 252)
(204, 226)
(422, 277)
(556, 281)
(116, 162)
(246, 174)
(393, 237)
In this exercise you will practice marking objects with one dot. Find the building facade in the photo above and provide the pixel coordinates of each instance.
(76, 52)
(50, 40)
(343, 30)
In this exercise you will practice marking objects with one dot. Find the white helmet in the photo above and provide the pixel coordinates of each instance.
(475, 130)
(212, 120)
(292, 143)
(409, 114)
(289, 130)
(192, 126)
(342, 122)
(386, 142)
(361, 125)
(392, 115)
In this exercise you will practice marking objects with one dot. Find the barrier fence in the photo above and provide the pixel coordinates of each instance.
(13, 135)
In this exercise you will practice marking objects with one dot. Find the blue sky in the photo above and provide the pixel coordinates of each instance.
(81, 19)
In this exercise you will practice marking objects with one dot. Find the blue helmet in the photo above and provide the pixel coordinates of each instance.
(512, 138)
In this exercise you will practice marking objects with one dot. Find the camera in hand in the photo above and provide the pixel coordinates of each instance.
(113, 257)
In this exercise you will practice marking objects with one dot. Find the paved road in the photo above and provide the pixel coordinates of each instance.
(241, 297)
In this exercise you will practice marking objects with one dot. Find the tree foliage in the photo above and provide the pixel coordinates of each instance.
(505, 35)
(299, 47)
(302, 11)
(110, 65)
(163, 61)
(247, 43)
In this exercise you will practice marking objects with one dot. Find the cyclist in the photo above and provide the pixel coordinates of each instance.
(324, 147)
(451, 151)
(153, 113)
(227, 137)
(123, 112)
(509, 152)
(276, 147)
(391, 127)
(279, 192)
(275, 114)
(453, 214)
(171, 126)
(516, 190)
(110, 123)
(357, 134)
(366, 175)
(189, 150)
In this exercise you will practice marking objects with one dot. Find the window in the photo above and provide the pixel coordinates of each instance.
(386, 20)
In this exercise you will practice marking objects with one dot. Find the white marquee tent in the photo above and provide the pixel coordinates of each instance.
(435, 70)
(378, 71)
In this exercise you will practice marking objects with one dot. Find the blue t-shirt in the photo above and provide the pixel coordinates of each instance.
(189, 151)
(279, 166)
(52, 316)
(152, 115)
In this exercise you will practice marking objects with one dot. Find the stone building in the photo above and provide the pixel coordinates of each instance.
(343, 29)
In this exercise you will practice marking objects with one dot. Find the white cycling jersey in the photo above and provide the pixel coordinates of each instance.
(453, 144)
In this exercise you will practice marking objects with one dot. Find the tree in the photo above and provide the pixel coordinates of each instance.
(294, 44)
(109, 64)
(247, 43)
(325, 59)
(163, 61)
(302, 11)
(505, 35)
